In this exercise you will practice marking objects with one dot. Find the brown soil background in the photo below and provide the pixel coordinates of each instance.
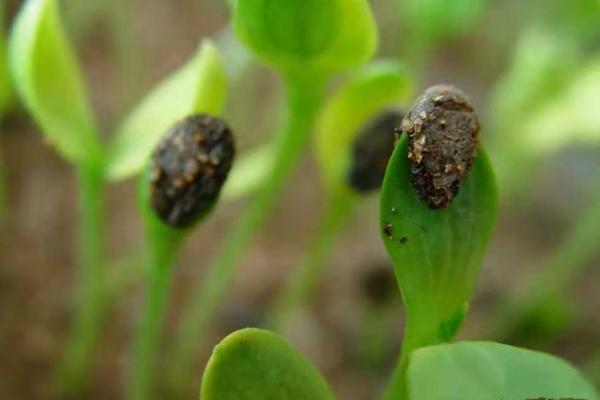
(39, 239)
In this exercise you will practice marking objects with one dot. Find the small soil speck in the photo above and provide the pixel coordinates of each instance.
(403, 240)
(387, 230)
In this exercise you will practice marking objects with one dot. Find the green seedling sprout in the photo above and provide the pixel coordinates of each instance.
(376, 88)
(48, 81)
(437, 213)
(178, 191)
(47, 78)
(307, 42)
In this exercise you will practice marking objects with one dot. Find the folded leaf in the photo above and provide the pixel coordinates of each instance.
(492, 371)
(256, 364)
(200, 86)
(47, 78)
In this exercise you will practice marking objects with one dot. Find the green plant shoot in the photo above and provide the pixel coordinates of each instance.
(437, 253)
(307, 42)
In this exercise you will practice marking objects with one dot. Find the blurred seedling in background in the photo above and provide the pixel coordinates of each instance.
(49, 82)
(438, 207)
(307, 43)
(179, 189)
(354, 138)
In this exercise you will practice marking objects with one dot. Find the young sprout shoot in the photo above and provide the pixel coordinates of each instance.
(438, 208)
(181, 186)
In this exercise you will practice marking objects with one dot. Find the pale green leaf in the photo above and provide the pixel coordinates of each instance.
(492, 371)
(248, 172)
(199, 86)
(47, 77)
(256, 364)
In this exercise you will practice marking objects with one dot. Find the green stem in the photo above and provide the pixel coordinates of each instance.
(303, 101)
(78, 353)
(559, 271)
(417, 333)
(424, 327)
(163, 250)
(305, 279)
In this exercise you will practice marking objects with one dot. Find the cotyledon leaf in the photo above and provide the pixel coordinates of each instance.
(253, 364)
(492, 371)
(47, 78)
(437, 254)
(199, 86)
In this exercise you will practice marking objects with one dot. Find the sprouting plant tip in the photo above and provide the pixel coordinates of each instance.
(372, 150)
(189, 168)
(443, 131)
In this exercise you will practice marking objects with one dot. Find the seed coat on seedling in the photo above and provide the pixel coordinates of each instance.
(372, 150)
(443, 131)
(189, 167)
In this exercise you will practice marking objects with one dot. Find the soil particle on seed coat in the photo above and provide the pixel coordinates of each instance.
(443, 131)
(372, 150)
(189, 168)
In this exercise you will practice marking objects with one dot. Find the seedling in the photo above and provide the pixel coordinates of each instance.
(307, 43)
(436, 222)
(181, 186)
(354, 132)
(48, 80)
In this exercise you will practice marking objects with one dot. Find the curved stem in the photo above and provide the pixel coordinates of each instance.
(164, 244)
(89, 312)
(305, 279)
(302, 101)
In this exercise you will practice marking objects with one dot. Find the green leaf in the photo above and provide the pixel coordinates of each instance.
(381, 85)
(47, 78)
(200, 86)
(437, 254)
(248, 172)
(257, 364)
(492, 371)
(307, 37)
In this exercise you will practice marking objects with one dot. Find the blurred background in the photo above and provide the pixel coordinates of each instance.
(532, 68)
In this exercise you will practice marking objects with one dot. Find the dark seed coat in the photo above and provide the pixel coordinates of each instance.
(443, 131)
(189, 168)
(372, 150)
(378, 284)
